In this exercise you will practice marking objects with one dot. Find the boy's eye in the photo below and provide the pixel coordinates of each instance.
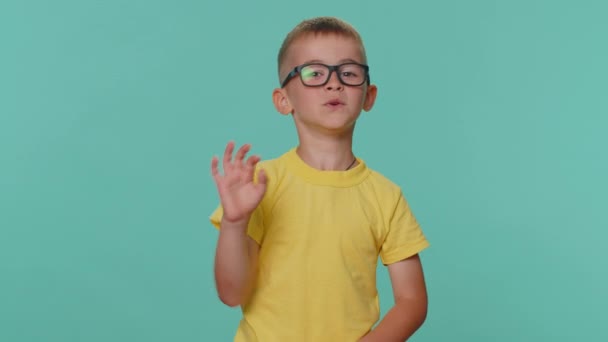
(309, 73)
(351, 71)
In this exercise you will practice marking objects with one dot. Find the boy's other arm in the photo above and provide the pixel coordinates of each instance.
(235, 263)
(236, 253)
(410, 309)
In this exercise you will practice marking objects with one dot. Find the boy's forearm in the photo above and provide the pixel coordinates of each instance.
(400, 322)
(232, 263)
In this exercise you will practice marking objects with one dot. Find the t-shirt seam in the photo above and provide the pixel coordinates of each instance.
(403, 251)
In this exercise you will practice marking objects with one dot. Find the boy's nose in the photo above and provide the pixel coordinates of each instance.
(334, 82)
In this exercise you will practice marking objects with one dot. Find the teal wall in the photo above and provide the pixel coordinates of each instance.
(492, 115)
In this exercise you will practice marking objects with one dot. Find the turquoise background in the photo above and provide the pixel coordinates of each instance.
(492, 115)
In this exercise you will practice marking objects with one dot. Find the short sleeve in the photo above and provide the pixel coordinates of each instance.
(404, 237)
(256, 223)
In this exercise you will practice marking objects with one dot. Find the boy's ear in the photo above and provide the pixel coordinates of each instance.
(370, 97)
(281, 102)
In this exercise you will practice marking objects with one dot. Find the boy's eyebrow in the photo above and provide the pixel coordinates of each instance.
(345, 60)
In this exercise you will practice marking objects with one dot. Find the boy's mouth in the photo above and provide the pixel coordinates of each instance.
(334, 103)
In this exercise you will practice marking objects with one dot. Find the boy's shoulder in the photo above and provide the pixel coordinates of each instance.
(382, 183)
(274, 167)
(274, 163)
(381, 177)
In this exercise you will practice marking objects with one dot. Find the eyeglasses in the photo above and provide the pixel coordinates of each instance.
(317, 74)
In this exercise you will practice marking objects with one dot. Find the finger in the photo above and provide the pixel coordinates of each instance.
(262, 178)
(228, 156)
(250, 167)
(214, 171)
(251, 161)
(240, 154)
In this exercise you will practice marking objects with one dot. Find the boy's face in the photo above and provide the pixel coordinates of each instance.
(333, 107)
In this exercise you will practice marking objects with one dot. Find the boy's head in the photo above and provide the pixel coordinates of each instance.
(315, 27)
(324, 76)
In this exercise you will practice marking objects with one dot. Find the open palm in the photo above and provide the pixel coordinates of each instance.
(239, 194)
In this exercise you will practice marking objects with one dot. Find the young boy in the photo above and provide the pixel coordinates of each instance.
(300, 235)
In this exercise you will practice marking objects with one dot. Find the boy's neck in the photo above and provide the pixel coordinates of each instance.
(327, 153)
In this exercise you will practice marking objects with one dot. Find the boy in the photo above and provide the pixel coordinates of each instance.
(300, 235)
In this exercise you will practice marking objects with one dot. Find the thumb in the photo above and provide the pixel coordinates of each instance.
(262, 178)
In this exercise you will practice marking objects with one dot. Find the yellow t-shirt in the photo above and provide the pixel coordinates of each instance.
(321, 233)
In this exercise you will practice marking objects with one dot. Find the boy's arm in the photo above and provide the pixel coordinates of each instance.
(235, 263)
(410, 309)
(236, 253)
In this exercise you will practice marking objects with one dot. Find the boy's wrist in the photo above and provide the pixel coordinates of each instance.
(241, 223)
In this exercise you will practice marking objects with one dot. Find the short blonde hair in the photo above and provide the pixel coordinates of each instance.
(319, 25)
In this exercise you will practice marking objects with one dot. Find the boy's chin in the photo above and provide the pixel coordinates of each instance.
(334, 127)
(335, 122)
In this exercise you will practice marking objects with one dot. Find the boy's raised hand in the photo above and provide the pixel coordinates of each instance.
(239, 195)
